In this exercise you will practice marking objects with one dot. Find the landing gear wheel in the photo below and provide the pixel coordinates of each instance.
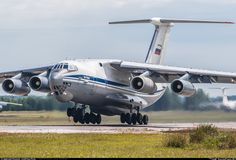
(69, 112)
(145, 119)
(92, 118)
(122, 118)
(98, 119)
(80, 114)
(73, 112)
(87, 118)
(76, 118)
(134, 118)
(140, 118)
(128, 118)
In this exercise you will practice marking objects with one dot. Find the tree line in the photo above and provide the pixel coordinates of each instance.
(169, 101)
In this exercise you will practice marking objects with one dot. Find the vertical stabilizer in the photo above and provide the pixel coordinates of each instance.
(225, 98)
(158, 44)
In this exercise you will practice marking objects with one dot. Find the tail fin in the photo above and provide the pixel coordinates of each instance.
(225, 98)
(158, 44)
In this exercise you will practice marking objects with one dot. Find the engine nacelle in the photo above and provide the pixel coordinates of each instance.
(143, 84)
(183, 88)
(39, 83)
(16, 86)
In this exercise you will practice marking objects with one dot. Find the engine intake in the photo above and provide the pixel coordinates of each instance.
(39, 83)
(143, 84)
(183, 88)
(16, 86)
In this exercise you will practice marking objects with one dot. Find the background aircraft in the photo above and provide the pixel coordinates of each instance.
(115, 87)
(2, 104)
(226, 104)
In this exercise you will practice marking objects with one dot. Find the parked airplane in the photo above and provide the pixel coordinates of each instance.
(2, 104)
(226, 104)
(115, 87)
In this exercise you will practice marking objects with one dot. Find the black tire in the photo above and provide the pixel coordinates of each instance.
(145, 119)
(81, 121)
(80, 115)
(69, 112)
(140, 118)
(134, 118)
(76, 118)
(122, 118)
(92, 118)
(73, 112)
(87, 118)
(98, 119)
(128, 118)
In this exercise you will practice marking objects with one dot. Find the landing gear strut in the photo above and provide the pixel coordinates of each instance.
(80, 116)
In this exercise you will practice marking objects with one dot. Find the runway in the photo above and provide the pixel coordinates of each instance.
(112, 128)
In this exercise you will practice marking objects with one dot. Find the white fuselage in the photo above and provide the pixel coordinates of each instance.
(93, 82)
(230, 104)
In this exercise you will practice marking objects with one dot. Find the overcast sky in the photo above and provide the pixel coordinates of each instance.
(41, 32)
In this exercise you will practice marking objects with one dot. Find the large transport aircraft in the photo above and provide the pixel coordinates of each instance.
(115, 87)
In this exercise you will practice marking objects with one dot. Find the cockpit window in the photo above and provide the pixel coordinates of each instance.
(67, 66)
(72, 68)
(60, 66)
(55, 66)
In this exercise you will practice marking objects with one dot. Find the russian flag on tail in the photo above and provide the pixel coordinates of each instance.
(158, 51)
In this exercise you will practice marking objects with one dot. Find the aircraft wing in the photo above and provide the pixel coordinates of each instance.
(26, 73)
(2, 103)
(166, 74)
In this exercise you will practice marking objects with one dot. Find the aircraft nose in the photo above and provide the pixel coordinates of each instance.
(55, 79)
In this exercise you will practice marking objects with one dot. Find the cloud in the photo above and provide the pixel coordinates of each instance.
(46, 13)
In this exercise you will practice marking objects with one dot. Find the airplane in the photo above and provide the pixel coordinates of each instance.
(2, 104)
(226, 104)
(115, 87)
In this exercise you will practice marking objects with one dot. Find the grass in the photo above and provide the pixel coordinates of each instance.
(206, 136)
(60, 118)
(98, 145)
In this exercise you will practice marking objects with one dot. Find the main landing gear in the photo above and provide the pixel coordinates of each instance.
(80, 116)
(134, 118)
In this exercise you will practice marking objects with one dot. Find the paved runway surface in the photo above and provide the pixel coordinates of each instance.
(111, 129)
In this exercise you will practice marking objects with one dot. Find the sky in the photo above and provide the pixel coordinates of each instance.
(35, 33)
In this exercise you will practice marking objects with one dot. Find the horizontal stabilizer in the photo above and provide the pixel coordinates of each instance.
(133, 21)
(159, 21)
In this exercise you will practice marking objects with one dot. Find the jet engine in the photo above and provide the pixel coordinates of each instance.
(183, 88)
(39, 83)
(143, 84)
(16, 86)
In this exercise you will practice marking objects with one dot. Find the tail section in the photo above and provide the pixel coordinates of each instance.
(158, 44)
(225, 98)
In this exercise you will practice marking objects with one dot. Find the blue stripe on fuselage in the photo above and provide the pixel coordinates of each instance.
(97, 80)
